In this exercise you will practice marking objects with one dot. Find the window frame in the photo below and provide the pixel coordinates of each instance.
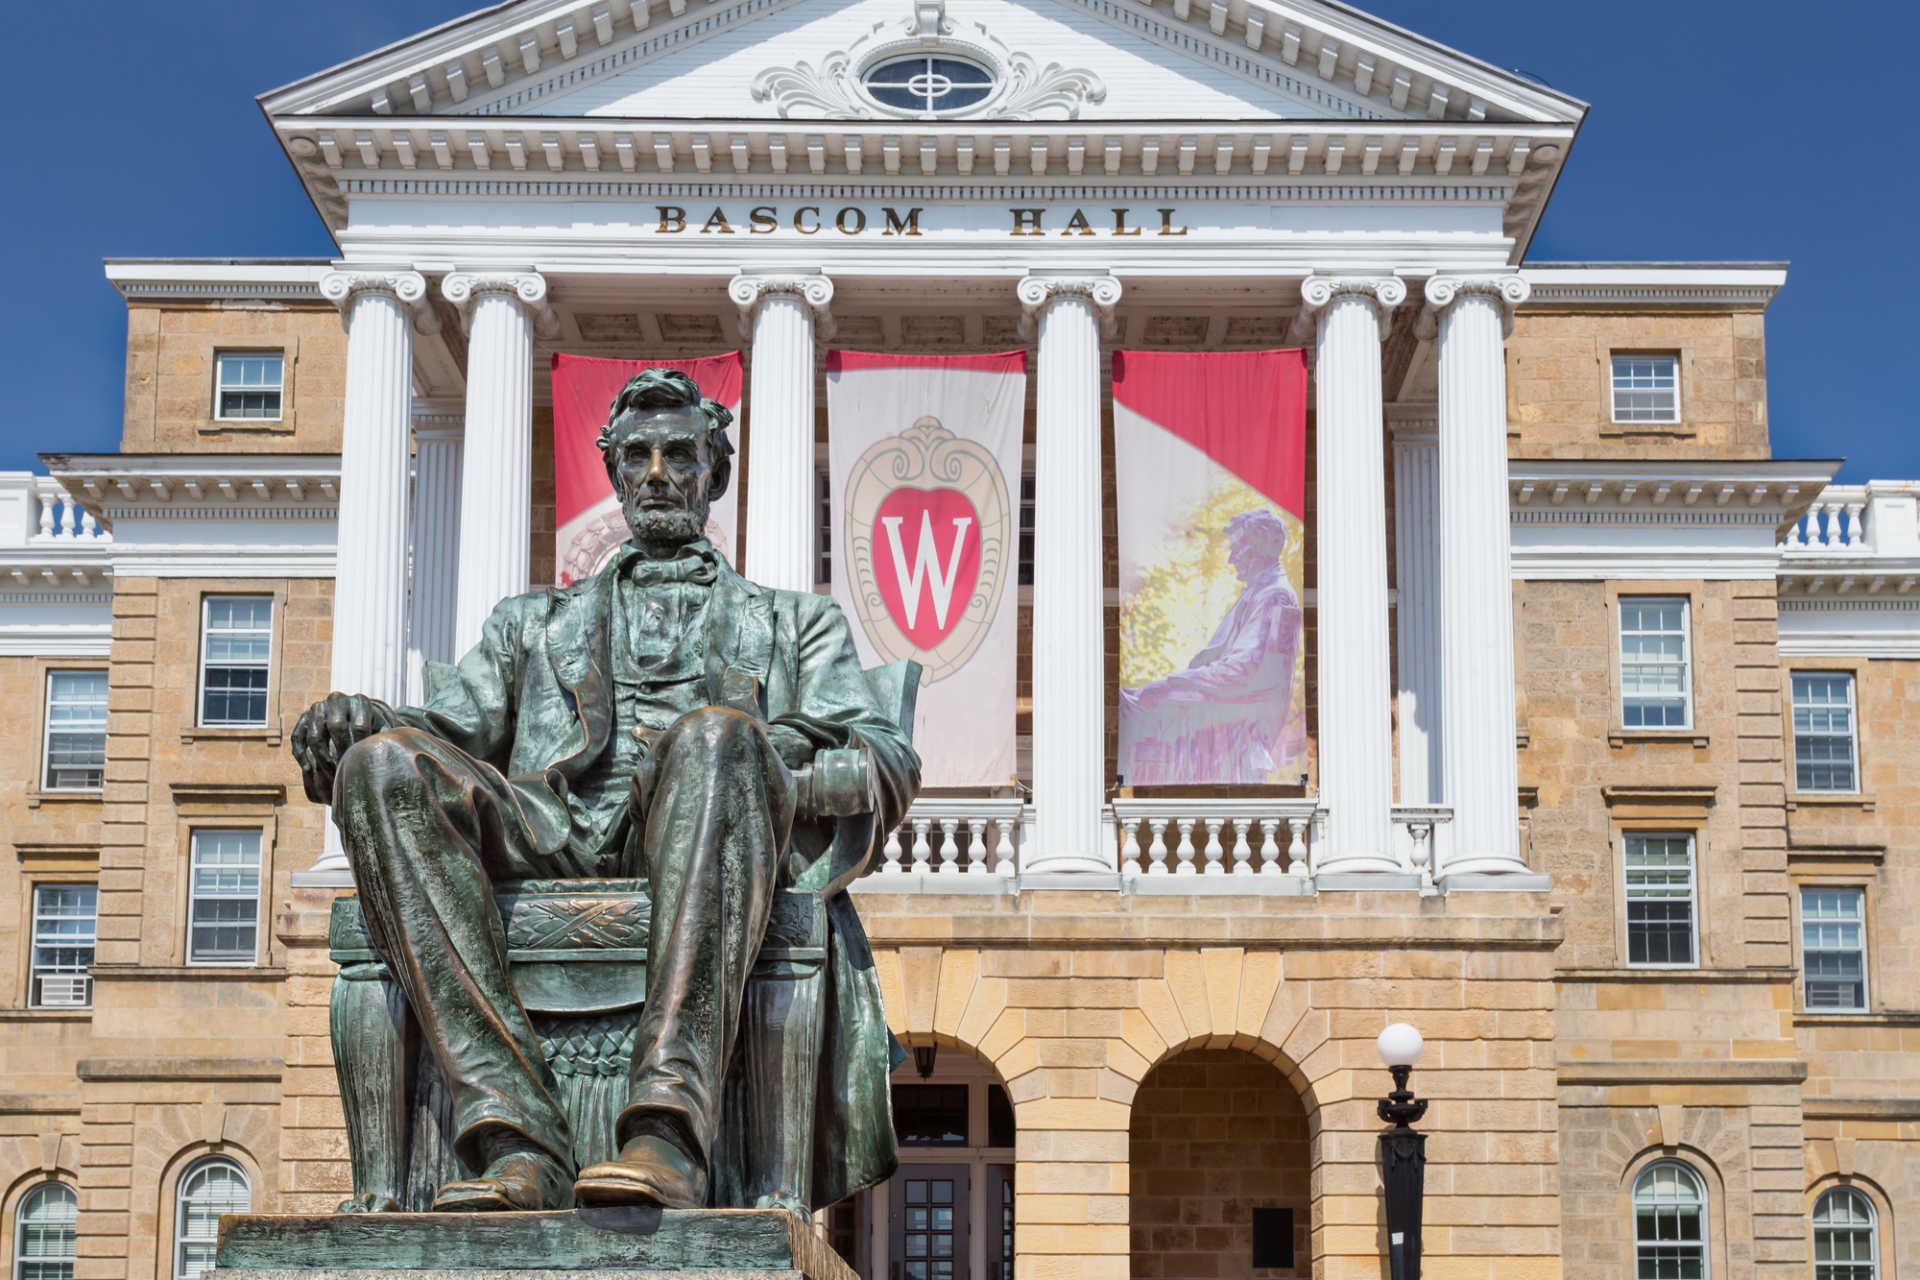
(1834, 1269)
(266, 722)
(34, 889)
(18, 1270)
(1703, 1203)
(1695, 933)
(1613, 388)
(1865, 949)
(1621, 665)
(181, 1202)
(925, 110)
(220, 385)
(194, 835)
(1852, 735)
(47, 730)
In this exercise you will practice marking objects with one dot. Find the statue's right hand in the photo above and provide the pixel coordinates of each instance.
(324, 732)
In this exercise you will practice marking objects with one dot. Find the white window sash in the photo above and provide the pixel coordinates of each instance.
(195, 895)
(1859, 922)
(221, 386)
(206, 634)
(1615, 389)
(48, 729)
(1693, 898)
(1851, 737)
(1686, 660)
(73, 980)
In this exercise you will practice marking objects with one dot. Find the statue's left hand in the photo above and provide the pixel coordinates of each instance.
(324, 732)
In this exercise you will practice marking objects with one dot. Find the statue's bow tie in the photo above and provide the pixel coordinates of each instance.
(690, 566)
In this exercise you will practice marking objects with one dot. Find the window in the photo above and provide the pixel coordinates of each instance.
(223, 925)
(1845, 1244)
(207, 1190)
(247, 385)
(76, 730)
(1646, 388)
(234, 655)
(63, 936)
(1823, 731)
(928, 84)
(1660, 898)
(43, 1239)
(1833, 949)
(1669, 1224)
(1654, 681)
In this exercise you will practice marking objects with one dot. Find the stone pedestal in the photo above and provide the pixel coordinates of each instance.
(607, 1244)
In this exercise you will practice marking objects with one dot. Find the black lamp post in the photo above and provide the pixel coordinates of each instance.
(1403, 1153)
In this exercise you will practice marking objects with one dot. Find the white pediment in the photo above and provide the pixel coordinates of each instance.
(1092, 60)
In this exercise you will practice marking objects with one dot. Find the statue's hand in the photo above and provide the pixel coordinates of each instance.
(324, 732)
(794, 747)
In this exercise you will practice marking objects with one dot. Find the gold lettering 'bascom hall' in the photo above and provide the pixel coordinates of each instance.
(853, 220)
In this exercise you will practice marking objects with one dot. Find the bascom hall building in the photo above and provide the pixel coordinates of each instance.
(1614, 733)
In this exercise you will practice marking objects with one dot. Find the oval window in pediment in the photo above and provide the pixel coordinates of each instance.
(928, 84)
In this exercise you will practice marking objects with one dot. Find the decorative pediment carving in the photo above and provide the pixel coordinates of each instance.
(1023, 88)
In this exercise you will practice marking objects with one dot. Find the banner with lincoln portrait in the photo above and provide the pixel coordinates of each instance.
(924, 473)
(1210, 461)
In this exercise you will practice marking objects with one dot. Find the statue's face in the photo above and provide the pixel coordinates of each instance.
(1249, 555)
(662, 471)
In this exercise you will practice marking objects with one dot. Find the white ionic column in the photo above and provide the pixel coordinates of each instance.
(437, 441)
(1355, 685)
(1416, 558)
(369, 646)
(1472, 315)
(779, 316)
(1069, 639)
(496, 471)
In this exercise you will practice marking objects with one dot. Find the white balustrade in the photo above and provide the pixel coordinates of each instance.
(1239, 845)
(61, 519)
(948, 842)
(1836, 521)
(1420, 838)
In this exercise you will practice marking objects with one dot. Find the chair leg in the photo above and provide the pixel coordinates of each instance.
(375, 1045)
(771, 1102)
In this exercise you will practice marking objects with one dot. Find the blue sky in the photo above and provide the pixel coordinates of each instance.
(1721, 129)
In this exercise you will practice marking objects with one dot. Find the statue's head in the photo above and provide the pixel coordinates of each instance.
(1255, 542)
(668, 455)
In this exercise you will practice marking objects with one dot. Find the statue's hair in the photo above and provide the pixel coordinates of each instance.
(670, 389)
(1265, 529)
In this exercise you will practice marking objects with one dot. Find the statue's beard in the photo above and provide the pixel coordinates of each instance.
(665, 530)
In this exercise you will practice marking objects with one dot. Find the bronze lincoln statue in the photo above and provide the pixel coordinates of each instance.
(667, 723)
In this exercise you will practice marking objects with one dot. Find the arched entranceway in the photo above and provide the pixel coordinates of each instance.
(947, 1214)
(1220, 1151)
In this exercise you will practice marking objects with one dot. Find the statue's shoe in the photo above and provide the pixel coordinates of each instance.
(516, 1180)
(649, 1170)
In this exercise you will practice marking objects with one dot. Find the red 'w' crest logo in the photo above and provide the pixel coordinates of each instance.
(927, 545)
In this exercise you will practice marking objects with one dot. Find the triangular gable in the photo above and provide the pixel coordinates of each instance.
(1092, 59)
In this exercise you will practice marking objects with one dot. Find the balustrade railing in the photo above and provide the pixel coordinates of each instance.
(1836, 521)
(965, 838)
(1248, 839)
(39, 512)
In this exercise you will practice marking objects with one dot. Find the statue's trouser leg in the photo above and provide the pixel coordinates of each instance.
(717, 805)
(428, 829)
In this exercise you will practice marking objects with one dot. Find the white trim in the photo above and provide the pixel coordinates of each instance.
(220, 386)
(1703, 1204)
(46, 732)
(1702, 285)
(180, 1201)
(206, 633)
(1614, 388)
(156, 279)
(259, 896)
(1800, 920)
(1852, 735)
(1694, 938)
(1686, 657)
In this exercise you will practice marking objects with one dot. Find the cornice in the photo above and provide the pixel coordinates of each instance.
(1665, 285)
(169, 280)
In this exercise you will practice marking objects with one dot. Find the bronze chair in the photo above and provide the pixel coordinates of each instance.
(577, 953)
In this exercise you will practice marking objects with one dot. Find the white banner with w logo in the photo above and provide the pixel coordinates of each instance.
(924, 466)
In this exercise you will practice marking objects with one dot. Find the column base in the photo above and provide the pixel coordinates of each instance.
(1484, 864)
(1357, 862)
(1503, 882)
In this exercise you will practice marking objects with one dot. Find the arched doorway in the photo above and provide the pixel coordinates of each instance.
(947, 1214)
(1219, 1145)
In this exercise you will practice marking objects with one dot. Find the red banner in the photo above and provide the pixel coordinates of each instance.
(587, 519)
(1210, 455)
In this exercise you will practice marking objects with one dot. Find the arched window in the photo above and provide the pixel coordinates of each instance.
(207, 1189)
(1669, 1224)
(1845, 1244)
(43, 1238)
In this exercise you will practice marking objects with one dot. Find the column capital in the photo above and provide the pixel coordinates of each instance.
(813, 289)
(1037, 293)
(1317, 293)
(529, 288)
(344, 284)
(1509, 291)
